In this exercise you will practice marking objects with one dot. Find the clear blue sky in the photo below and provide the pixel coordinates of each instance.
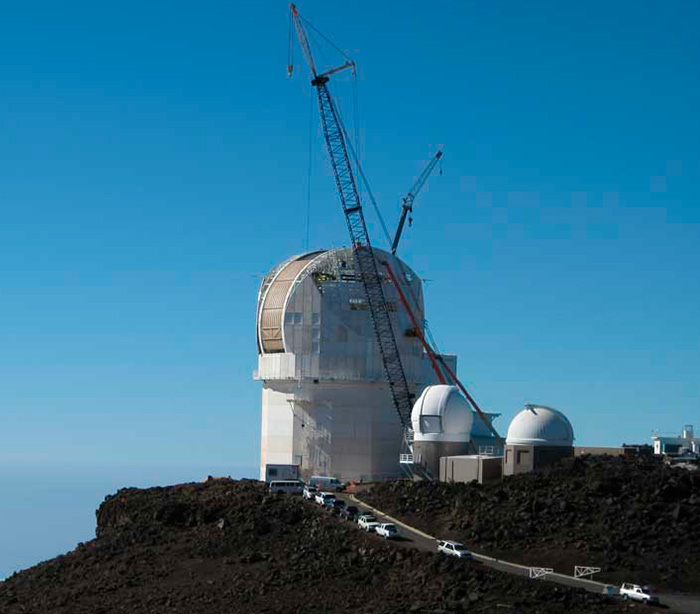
(154, 165)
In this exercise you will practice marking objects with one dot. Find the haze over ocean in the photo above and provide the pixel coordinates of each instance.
(154, 164)
(46, 509)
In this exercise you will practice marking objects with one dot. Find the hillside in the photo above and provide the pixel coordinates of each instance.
(634, 517)
(228, 546)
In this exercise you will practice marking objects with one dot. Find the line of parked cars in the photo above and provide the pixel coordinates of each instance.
(365, 520)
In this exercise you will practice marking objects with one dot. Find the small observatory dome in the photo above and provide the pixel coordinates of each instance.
(441, 413)
(537, 425)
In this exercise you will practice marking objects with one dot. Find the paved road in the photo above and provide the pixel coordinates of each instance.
(413, 538)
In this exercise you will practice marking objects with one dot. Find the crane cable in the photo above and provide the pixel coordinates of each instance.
(324, 37)
(309, 172)
(353, 152)
(361, 173)
(290, 48)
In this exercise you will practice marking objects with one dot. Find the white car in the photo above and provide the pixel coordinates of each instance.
(309, 492)
(368, 523)
(387, 531)
(637, 593)
(453, 549)
(323, 498)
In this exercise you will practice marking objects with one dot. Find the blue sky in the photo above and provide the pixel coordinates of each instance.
(154, 165)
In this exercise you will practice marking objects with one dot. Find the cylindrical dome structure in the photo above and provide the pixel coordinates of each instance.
(442, 422)
(538, 436)
(326, 404)
(441, 413)
(539, 425)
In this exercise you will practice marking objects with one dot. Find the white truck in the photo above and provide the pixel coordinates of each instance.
(451, 548)
(637, 593)
(387, 531)
(368, 523)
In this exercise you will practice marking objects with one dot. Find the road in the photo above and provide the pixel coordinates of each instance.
(414, 538)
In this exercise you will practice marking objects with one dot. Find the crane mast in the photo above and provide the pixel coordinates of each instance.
(407, 204)
(346, 184)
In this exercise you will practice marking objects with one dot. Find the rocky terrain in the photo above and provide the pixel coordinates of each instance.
(634, 517)
(229, 546)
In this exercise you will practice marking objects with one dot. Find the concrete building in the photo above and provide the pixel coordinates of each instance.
(326, 406)
(677, 445)
(537, 436)
(475, 467)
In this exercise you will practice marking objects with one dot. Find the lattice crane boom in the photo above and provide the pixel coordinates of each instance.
(407, 203)
(365, 260)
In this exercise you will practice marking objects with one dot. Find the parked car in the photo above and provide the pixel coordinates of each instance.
(453, 549)
(329, 502)
(349, 512)
(368, 523)
(294, 487)
(637, 593)
(309, 492)
(338, 506)
(387, 531)
(326, 482)
(322, 497)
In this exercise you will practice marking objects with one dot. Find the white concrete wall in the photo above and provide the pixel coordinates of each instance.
(347, 430)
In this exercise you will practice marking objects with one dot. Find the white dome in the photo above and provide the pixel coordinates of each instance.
(537, 425)
(441, 413)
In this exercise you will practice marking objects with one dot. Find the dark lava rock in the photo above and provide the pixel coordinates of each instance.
(228, 546)
(635, 517)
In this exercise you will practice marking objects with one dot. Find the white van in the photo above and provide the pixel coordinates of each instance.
(294, 487)
(326, 482)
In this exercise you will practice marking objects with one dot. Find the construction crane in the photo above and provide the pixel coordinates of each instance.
(438, 363)
(407, 203)
(336, 143)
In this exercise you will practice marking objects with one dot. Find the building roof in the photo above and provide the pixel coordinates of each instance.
(540, 425)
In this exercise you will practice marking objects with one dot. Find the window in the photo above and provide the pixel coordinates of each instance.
(292, 318)
(431, 424)
(272, 472)
(523, 456)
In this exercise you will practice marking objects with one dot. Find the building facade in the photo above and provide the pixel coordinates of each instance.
(326, 405)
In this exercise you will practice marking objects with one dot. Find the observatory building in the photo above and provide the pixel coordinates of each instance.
(537, 436)
(326, 404)
(442, 422)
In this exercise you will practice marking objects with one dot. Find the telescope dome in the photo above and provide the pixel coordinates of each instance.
(538, 425)
(441, 413)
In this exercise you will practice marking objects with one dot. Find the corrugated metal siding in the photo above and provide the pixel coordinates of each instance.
(271, 314)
